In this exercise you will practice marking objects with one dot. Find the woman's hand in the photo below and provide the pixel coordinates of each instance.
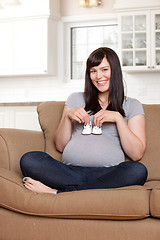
(78, 114)
(64, 131)
(132, 135)
(104, 116)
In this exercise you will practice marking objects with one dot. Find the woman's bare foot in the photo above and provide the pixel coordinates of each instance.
(37, 186)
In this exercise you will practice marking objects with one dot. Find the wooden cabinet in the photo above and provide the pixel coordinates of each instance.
(139, 40)
(28, 47)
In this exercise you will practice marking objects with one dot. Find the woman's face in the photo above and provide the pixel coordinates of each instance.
(100, 75)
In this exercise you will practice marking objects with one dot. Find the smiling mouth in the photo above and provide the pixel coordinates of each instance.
(102, 83)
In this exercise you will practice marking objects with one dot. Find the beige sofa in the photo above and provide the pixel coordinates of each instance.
(129, 213)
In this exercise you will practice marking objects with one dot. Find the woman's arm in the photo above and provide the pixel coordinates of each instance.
(64, 131)
(132, 135)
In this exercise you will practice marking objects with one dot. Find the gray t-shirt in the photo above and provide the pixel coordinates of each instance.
(97, 150)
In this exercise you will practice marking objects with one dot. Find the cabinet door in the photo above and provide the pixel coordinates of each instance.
(134, 41)
(155, 34)
(5, 48)
(30, 47)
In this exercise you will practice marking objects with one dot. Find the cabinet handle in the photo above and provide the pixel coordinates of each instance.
(149, 67)
(153, 66)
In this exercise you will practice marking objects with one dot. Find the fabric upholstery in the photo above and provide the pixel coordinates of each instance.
(152, 154)
(123, 203)
(155, 202)
(154, 197)
(14, 143)
(152, 184)
(50, 114)
(20, 226)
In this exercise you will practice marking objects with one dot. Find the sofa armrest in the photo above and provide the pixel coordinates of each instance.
(15, 142)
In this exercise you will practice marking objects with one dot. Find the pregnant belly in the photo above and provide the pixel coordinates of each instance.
(93, 151)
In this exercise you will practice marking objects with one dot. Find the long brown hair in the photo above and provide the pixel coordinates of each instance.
(116, 89)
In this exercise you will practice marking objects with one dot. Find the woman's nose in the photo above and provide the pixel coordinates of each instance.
(99, 74)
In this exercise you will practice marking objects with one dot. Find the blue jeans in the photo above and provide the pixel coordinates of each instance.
(42, 167)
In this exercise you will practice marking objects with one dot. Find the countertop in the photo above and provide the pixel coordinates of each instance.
(8, 104)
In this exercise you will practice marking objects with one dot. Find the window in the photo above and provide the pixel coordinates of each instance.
(86, 39)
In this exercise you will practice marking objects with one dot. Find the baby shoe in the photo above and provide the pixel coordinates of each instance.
(87, 129)
(96, 130)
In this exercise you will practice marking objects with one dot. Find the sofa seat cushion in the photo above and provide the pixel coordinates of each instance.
(155, 201)
(152, 184)
(122, 203)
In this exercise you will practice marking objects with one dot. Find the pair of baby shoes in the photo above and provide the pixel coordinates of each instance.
(89, 130)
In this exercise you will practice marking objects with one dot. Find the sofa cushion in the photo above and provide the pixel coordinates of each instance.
(50, 114)
(152, 184)
(151, 156)
(155, 202)
(122, 203)
(154, 197)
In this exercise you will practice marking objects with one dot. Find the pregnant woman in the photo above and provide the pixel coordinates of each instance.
(98, 128)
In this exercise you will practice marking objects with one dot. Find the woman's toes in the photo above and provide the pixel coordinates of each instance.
(28, 186)
(27, 180)
(36, 186)
(24, 179)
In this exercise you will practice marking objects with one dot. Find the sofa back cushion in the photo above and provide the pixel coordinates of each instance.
(50, 114)
(151, 158)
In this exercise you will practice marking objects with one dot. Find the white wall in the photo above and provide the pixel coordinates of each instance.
(71, 8)
(143, 86)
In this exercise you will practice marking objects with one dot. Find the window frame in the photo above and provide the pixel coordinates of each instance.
(66, 24)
